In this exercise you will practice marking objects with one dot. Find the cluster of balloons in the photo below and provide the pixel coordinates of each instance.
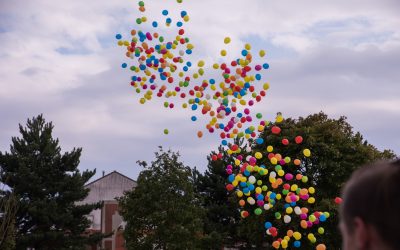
(161, 68)
(264, 183)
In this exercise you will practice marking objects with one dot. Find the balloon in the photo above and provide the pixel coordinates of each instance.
(321, 247)
(307, 152)
(298, 139)
(275, 130)
(338, 200)
(227, 40)
(166, 131)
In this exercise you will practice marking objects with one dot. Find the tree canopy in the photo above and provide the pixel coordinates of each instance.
(163, 211)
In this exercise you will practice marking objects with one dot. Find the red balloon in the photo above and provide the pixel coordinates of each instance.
(338, 200)
(285, 142)
(214, 157)
(229, 187)
(275, 130)
(298, 139)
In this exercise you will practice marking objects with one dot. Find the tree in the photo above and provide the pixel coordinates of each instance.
(336, 152)
(47, 185)
(221, 213)
(163, 211)
(8, 209)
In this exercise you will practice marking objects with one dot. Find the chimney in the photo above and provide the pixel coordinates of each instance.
(104, 172)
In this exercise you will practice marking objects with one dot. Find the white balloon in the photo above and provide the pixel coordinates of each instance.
(272, 174)
(252, 179)
(267, 206)
(297, 210)
(287, 219)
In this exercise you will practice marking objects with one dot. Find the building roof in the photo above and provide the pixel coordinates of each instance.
(105, 176)
(109, 187)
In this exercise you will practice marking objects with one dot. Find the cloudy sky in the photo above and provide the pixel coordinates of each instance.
(60, 58)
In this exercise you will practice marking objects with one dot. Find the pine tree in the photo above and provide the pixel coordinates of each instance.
(48, 185)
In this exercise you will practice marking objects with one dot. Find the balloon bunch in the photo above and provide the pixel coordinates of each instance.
(162, 68)
(264, 183)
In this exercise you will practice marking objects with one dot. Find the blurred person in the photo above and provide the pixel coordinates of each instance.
(370, 210)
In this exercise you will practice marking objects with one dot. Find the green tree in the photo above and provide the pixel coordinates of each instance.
(163, 211)
(336, 152)
(8, 209)
(221, 213)
(47, 185)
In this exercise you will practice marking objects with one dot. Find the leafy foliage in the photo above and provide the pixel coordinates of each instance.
(163, 211)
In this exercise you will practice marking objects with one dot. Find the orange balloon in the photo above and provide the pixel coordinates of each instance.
(199, 134)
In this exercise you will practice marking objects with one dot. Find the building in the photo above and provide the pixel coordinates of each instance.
(107, 219)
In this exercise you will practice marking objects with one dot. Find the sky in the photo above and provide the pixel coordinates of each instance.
(60, 59)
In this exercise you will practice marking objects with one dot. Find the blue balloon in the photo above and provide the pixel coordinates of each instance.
(155, 24)
(118, 36)
(268, 225)
(259, 141)
(194, 118)
(165, 12)
(297, 243)
(124, 65)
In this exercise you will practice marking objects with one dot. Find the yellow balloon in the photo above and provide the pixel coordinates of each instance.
(307, 152)
(227, 40)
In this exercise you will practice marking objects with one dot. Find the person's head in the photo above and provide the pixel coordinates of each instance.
(370, 211)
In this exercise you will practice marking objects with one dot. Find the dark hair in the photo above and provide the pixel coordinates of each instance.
(373, 194)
